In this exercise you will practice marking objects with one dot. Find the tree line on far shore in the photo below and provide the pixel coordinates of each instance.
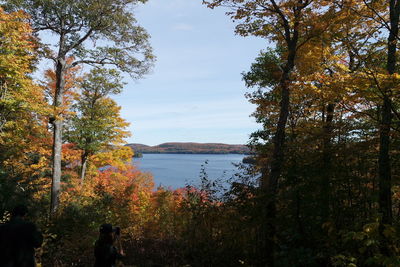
(191, 148)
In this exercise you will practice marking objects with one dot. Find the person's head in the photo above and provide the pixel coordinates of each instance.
(106, 233)
(19, 211)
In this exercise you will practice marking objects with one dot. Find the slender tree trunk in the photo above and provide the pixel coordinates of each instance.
(326, 161)
(3, 95)
(385, 179)
(384, 168)
(57, 135)
(84, 159)
(269, 181)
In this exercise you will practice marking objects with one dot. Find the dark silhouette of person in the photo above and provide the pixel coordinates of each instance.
(18, 240)
(106, 254)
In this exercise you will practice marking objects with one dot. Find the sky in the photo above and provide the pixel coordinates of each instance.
(195, 91)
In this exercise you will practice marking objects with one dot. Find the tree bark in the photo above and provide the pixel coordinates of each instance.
(84, 159)
(326, 163)
(384, 169)
(57, 135)
(269, 181)
(385, 177)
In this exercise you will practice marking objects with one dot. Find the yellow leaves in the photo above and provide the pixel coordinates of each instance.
(117, 157)
(41, 164)
(18, 47)
(265, 19)
(22, 100)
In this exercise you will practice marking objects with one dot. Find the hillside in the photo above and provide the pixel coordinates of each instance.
(191, 148)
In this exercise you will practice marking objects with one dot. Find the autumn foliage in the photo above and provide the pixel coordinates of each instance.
(324, 187)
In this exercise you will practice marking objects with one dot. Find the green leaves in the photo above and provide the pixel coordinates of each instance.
(96, 122)
(101, 32)
(266, 71)
(101, 82)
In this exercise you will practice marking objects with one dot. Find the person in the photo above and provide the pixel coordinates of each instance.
(106, 254)
(18, 240)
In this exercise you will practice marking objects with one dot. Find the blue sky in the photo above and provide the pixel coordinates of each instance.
(195, 92)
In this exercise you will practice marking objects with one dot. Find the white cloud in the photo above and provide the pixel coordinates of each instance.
(212, 115)
(182, 27)
(170, 4)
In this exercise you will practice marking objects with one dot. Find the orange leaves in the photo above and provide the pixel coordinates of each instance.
(71, 155)
(72, 79)
(127, 184)
(129, 193)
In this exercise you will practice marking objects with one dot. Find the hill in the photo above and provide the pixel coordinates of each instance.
(191, 148)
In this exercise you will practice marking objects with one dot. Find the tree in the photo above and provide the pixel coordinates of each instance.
(94, 32)
(344, 87)
(22, 102)
(389, 17)
(383, 76)
(96, 123)
(17, 57)
(291, 24)
(23, 111)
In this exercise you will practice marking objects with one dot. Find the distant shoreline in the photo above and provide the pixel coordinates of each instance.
(190, 148)
(200, 153)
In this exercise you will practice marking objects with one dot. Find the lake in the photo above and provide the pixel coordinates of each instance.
(176, 170)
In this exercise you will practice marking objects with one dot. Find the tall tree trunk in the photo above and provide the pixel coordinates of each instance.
(269, 181)
(326, 162)
(57, 135)
(385, 178)
(384, 169)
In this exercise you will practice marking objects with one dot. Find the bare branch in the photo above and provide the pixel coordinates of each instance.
(80, 41)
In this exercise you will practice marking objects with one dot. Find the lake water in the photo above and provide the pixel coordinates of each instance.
(176, 170)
